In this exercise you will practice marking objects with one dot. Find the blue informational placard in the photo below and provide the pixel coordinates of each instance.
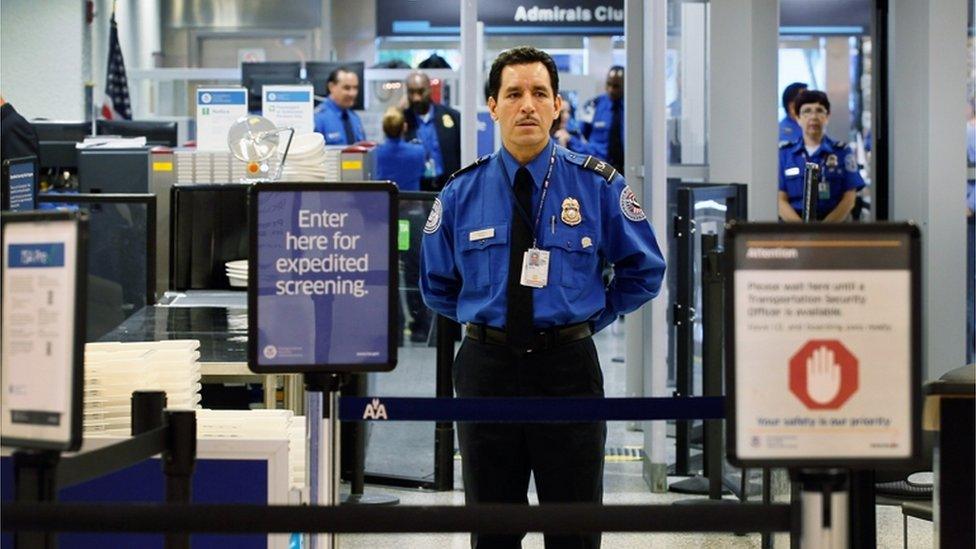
(322, 271)
(23, 184)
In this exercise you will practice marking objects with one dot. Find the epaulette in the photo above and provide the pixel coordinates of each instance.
(785, 143)
(471, 166)
(840, 144)
(599, 166)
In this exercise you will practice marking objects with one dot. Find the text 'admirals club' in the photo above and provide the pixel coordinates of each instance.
(555, 14)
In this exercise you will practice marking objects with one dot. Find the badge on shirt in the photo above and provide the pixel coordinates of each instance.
(629, 206)
(535, 268)
(790, 172)
(434, 219)
(586, 242)
(571, 212)
(831, 161)
(447, 121)
(823, 190)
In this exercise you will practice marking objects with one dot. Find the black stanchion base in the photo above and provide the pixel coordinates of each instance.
(367, 499)
(696, 485)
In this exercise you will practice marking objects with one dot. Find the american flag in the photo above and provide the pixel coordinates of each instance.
(116, 102)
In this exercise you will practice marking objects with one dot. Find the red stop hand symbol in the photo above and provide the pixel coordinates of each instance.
(823, 374)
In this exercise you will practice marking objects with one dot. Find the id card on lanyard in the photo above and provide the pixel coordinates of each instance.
(535, 262)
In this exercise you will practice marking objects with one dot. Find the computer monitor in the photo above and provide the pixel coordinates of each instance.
(18, 184)
(56, 142)
(317, 73)
(256, 75)
(54, 130)
(156, 132)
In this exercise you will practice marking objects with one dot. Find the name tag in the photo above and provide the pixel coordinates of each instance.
(474, 236)
(599, 124)
(792, 171)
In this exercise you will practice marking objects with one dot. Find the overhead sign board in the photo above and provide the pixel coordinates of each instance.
(433, 18)
(322, 277)
(43, 329)
(823, 344)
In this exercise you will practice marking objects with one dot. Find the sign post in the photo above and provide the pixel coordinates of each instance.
(823, 355)
(322, 279)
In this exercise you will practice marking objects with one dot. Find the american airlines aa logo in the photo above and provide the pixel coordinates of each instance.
(375, 410)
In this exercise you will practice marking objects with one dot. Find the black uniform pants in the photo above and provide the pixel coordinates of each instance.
(566, 459)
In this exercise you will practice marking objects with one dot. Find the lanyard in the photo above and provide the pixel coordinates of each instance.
(542, 199)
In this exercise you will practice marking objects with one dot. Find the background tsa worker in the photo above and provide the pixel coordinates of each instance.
(334, 117)
(514, 247)
(437, 127)
(602, 123)
(840, 179)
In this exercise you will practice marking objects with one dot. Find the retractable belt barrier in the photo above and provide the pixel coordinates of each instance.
(529, 409)
(492, 519)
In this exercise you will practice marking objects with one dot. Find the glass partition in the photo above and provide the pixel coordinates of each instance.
(121, 257)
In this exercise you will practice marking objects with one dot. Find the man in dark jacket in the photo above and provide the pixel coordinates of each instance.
(437, 127)
(17, 136)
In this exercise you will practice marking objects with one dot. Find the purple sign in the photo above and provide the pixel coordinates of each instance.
(321, 277)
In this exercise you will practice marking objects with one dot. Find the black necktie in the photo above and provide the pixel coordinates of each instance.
(518, 322)
(616, 150)
(347, 126)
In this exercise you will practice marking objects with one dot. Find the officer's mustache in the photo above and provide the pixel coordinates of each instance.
(528, 119)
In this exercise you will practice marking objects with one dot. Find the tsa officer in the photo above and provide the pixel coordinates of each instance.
(334, 117)
(789, 128)
(840, 179)
(437, 127)
(602, 123)
(514, 248)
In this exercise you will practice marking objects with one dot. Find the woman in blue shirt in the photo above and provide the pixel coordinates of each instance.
(397, 161)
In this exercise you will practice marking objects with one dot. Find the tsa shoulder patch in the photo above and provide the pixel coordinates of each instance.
(434, 219)
(850, 163)
(599, 166)
(629, 206)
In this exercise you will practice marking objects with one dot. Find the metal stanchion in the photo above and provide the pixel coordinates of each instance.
(811, 181)
(322, 448)
(823, 509)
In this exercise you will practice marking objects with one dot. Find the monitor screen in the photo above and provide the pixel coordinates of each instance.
(18, 191)
(256, 75)
(52, 130)
(156, 132)
(317, 73)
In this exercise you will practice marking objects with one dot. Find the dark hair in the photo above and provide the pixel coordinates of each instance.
(790, 93)
(615, 68)
(334, 75)
(812, 96)
(522, 55)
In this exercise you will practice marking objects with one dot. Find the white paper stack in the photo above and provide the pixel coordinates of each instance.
(114, 370)
(256, 425)
(306, 159)
(237, 273)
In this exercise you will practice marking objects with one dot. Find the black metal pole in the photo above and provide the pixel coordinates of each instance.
(712, 350)
(179, 460)
(35, 481)
(444, 430)
(147, 411)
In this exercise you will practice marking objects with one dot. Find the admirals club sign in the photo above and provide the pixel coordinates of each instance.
(441, 17)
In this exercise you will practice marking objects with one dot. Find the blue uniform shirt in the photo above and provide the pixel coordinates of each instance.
(595, 118)
(789, 129)
(465, 251)
(427, 133)
(837, 165)
(400, 162)
(328, 122)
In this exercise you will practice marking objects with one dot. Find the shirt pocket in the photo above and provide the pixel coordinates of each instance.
(484, 259)
(794, 186)
(573, 258)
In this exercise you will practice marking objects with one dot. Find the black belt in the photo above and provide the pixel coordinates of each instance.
(539, 341)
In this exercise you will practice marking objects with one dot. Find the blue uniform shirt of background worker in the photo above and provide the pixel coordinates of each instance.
(838, 168)
(330, 121)
(789, 130)
(602, 123)
(400, 162)
(465, 250)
